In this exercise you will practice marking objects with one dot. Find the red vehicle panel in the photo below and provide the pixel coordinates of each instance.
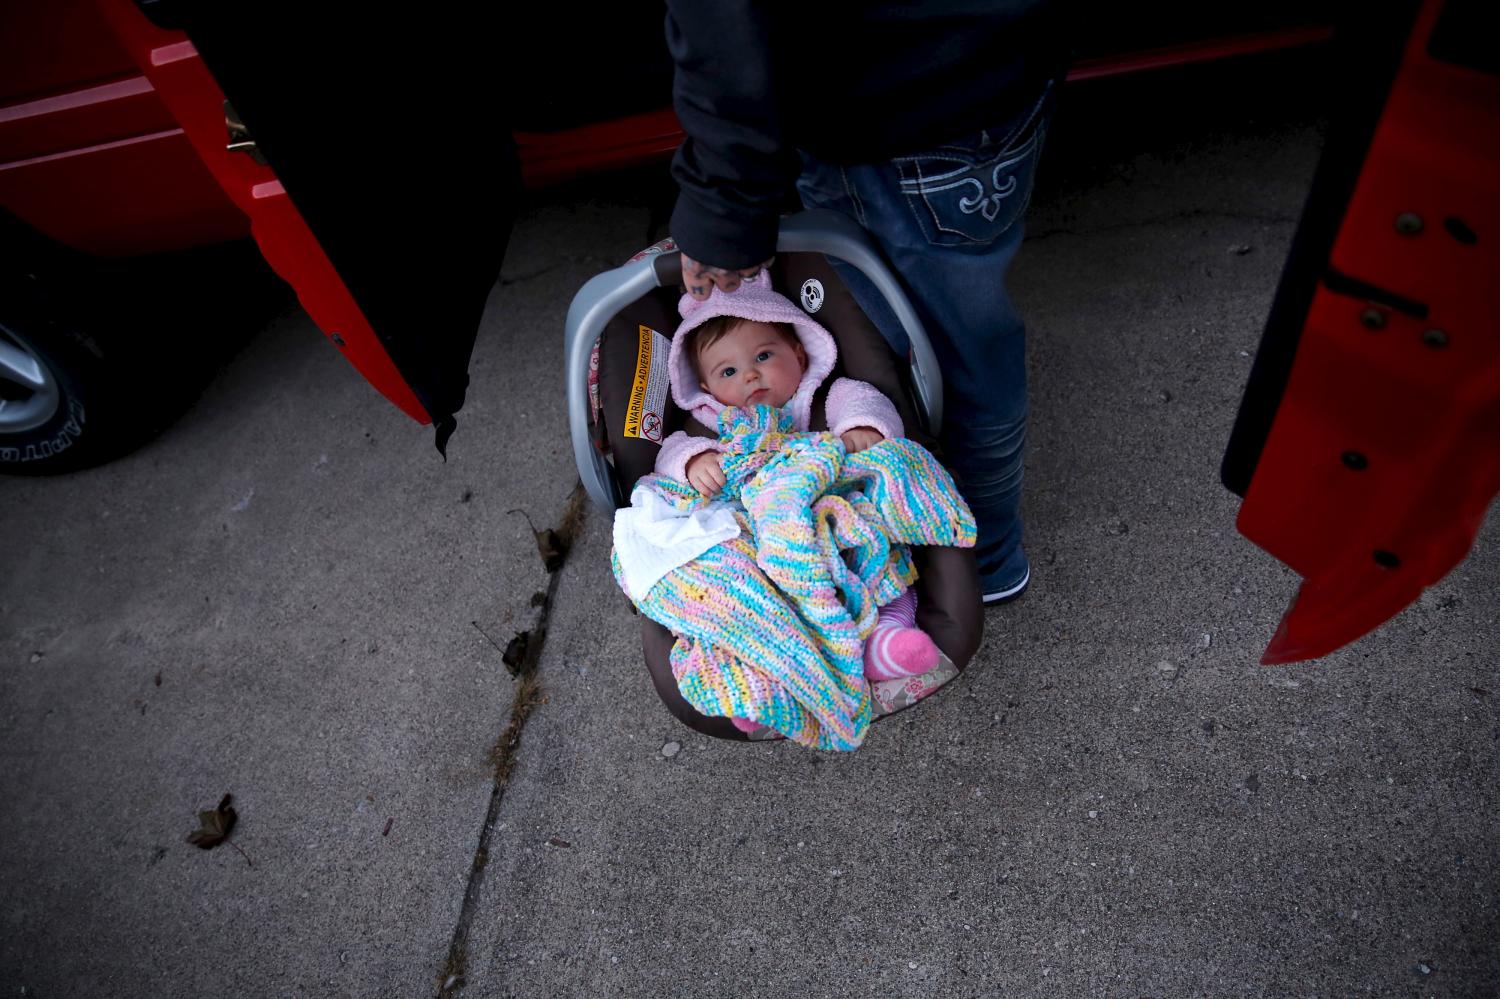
(57, 48)
(1385, 451)
(145, 194)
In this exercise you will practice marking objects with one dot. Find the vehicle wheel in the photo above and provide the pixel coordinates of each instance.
(96, 359)
(50, 397)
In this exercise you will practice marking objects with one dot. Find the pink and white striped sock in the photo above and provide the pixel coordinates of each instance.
(897, 647)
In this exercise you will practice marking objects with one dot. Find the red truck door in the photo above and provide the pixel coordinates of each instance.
(373, 157)
(1367, 447)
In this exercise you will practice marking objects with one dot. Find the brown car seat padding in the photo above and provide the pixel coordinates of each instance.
(948, 599)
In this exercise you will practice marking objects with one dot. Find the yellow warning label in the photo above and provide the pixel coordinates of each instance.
(648, 391)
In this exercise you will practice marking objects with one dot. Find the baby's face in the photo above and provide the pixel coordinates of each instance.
(752, 365)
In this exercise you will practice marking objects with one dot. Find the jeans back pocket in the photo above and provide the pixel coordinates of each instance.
(963, 195)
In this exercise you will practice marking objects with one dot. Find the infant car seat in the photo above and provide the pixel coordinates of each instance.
(619, 328)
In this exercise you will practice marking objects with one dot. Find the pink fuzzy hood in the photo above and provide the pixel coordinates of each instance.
(754, 300)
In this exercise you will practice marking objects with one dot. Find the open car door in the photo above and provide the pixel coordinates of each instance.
(370, 149)
(1367, 447)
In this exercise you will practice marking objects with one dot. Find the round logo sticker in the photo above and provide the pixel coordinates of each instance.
(812, 295)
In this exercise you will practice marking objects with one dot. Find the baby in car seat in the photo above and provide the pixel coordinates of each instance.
(755, 347)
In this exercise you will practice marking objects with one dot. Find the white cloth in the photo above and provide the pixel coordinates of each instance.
(652, 538)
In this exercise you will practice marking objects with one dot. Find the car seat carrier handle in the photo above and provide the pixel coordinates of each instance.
(821, 230)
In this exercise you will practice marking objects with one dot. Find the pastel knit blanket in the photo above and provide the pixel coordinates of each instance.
(770, 625)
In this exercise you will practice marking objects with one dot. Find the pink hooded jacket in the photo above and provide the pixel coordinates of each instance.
(849, 404)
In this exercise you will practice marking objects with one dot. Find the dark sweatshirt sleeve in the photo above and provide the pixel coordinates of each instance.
(735, 169)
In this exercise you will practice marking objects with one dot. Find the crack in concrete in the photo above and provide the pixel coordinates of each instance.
(503, 753)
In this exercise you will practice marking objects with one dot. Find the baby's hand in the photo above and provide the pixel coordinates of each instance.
(859, 438)
(705, 474)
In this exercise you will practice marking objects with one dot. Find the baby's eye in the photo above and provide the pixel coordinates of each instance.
(763, 356)
(727, 373)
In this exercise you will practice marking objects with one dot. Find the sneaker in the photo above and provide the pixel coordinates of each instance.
(1005, 594)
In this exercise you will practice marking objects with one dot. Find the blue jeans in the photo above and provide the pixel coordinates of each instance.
(949, 222)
